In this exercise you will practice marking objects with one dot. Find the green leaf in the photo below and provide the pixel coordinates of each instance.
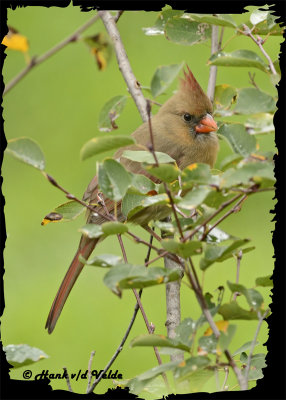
(130, 202)
(186, 369)
(214, 253)
(256, 364)
(212, 202)
(260, 123)
(27, 151)
(232, 311)
(165, 172)
(186, 32)
(217, 236)
(185, 250)
(114, 228)
(208, 344)
(199, 378)
(113, 179)
(166, 14)
(253, 297)
(226, 337)
(65, 212)
(109, 112)
(103, 260)
(142, 183)
(126, 276)
(185, 330)
(258, 16)
(239, 140)
(19, 355)
(196, 173)
(230, 161)
(165, 226)
(153, 200)
(244, 347)
(163, 77)
(146, 156)
(92, 231)
(224, 95)
(238, 58)
(159, 341)
(218, 19)
(258, 172)
(194, 197)
(264, 281)
(103, 144)
(138, 383)
(251, 101)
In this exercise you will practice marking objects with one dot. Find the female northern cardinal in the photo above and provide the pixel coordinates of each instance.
(183, 128)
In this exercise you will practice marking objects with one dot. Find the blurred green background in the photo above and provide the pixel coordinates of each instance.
(57, 104)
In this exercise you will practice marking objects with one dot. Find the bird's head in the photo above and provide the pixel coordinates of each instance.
(191, 107)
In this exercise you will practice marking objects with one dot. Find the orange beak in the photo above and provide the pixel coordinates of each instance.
(206, 125)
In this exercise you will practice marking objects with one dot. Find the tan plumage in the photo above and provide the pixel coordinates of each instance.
(182, 128)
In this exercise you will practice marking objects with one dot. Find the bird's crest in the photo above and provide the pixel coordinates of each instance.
(190, 83)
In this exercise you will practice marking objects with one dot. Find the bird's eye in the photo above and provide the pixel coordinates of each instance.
(187, 117)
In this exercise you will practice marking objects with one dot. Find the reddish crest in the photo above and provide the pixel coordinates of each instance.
(190, 82)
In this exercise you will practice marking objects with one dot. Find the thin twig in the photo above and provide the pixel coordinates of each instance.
(220, 38)
(67, 379)
(259, 41)
(148, 325)
(123, 63)
(238, 260)
(226, 370)
(38, 60)
(154, 102)
(221, 207)
(146, 261)
(118, 350)
(252, 81)
(89, 375)
(234, 209)
(120, 347)
(118, 15)
(156, 258)
(261, 319)
(213, 68)
(72, 197)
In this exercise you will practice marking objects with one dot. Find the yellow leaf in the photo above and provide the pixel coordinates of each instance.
(160, 279)
(221, 325)
(258, 156)
(14, 41)
(51, 217)
(193, 166)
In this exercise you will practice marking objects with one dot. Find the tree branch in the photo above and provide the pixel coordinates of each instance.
(123, 63)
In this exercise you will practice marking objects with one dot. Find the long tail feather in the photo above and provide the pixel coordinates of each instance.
(85, 249)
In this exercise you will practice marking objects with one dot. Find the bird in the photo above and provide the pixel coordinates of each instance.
(183, 128)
